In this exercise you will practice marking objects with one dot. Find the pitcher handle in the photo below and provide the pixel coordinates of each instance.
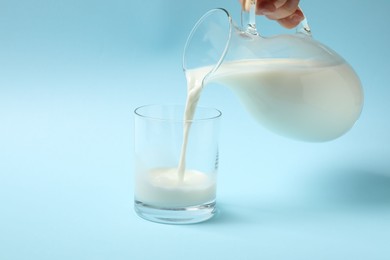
(303, 26)
(248, 19)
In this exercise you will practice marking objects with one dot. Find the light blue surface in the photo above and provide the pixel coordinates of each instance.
(71, 72)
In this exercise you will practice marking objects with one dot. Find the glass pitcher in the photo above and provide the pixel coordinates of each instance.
(291, 84)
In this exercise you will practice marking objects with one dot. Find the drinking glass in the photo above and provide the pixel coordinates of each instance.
(161, 194)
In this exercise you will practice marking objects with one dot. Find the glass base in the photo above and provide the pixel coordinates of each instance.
(187, 215)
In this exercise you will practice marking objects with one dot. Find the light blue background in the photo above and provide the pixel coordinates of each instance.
(71, 72)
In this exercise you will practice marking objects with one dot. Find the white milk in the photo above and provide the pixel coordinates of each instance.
(301, 99)
(162, 188)
(194, 89)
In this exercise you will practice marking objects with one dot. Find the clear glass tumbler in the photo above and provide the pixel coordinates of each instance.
(162, 194)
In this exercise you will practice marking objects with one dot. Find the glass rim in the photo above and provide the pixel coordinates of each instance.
(217, 113)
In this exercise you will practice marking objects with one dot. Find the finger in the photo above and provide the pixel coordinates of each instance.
(265, 6)
(268, 6)
(293, 20)
(279, 3)
(289, 8)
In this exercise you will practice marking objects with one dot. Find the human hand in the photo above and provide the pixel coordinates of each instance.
(285, 12)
